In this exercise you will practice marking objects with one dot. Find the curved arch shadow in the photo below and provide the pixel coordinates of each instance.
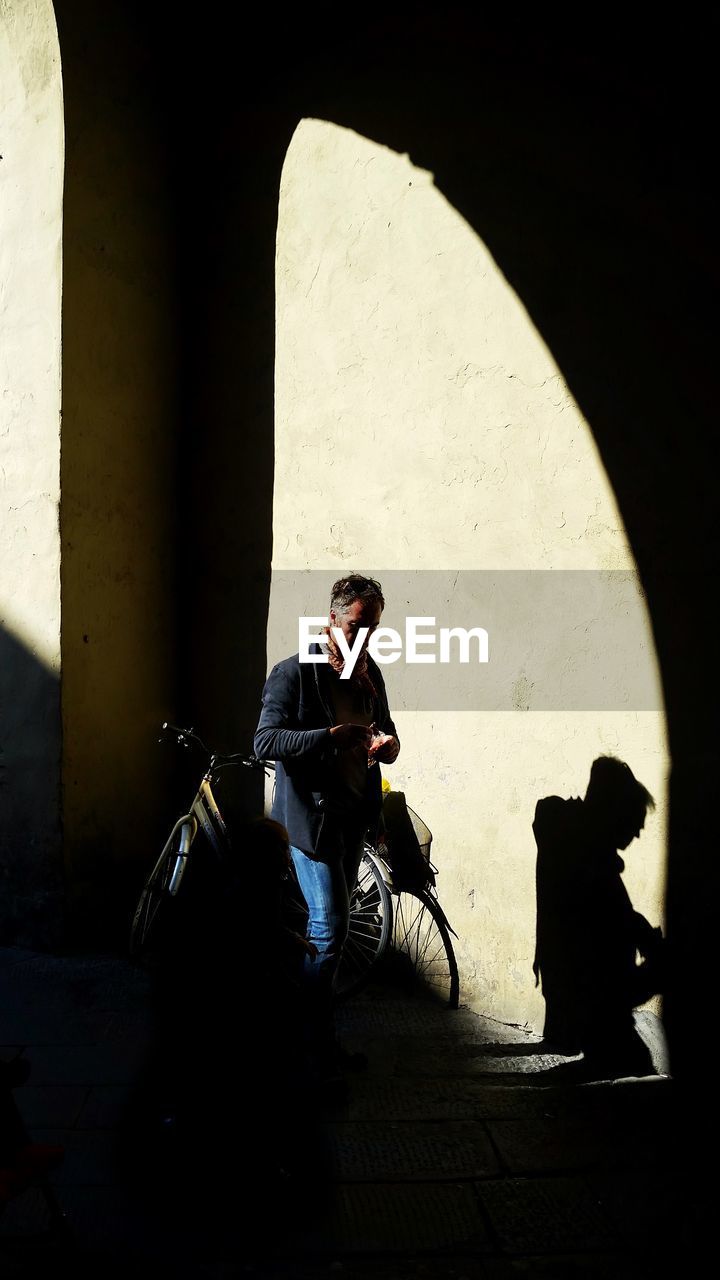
(585, 171)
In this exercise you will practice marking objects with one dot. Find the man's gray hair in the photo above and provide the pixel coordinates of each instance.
(355, 587)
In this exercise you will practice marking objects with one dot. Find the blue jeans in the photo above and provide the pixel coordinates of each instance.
(326, 888)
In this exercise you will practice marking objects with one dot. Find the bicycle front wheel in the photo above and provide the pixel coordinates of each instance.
(421, 951)
(370, 925)
(160, 888)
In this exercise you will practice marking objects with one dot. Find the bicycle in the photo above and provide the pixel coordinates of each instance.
(403, 931)
(163, 883)
(386, 920)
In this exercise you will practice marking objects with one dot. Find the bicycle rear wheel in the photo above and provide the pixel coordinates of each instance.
(369, 929)
(421, 951)
(370, 926)
(160, 888)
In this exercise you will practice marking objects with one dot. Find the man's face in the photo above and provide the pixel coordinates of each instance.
(360, 613)
(631, 831)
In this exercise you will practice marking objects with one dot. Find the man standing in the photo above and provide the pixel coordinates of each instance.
(325, 733)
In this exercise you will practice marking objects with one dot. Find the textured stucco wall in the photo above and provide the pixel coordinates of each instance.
(421, 423)
(120, 427)
(31, 178)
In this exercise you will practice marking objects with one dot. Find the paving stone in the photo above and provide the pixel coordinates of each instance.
(133, 1024)
(427, 1154)
(10, 956)
(537, 1144)
(394, 1017)
(654, 1097)
(50, 1106)
(47, 1021)
(108, 1220)
(375, 1097)
(105, 1107)
(90, 1156)
(77, 983)
(25, 1215)
(546, 1215)
(411, 1152)
(69, 968)
(446, 1266)
(113, 1063)
(461, 1055)
(649, 1208)
(572, 1266)
(394, 1218)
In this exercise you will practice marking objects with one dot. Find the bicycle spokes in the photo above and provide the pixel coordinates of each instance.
(422, 946)
(369, 931)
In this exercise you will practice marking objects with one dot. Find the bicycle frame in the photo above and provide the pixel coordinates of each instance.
(373, 852)
(416, 927)
(187, 827)
(205, 814)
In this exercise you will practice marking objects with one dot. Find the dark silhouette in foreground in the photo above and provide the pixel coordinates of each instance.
(596, 957)
(224, 1095)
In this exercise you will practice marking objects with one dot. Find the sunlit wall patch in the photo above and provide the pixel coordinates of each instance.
(535, 640)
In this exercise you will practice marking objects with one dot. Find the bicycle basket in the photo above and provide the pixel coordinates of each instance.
(423, 833)
(407, 841)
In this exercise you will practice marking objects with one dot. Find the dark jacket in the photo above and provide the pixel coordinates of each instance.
(294, 731)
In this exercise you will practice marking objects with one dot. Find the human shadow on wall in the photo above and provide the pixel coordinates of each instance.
(31, 873)
(588, 935)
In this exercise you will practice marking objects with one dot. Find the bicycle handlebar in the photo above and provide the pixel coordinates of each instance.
(185, 737)
(188, 738)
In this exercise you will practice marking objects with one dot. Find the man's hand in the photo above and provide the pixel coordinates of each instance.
(648, 939)
(307, 946)
(345, 736)
(387, 752)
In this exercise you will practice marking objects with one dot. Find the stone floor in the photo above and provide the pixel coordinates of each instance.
(463, 1152)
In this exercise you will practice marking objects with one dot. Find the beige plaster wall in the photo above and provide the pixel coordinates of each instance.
(31, 180)
(119, 468)
(421, 423)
